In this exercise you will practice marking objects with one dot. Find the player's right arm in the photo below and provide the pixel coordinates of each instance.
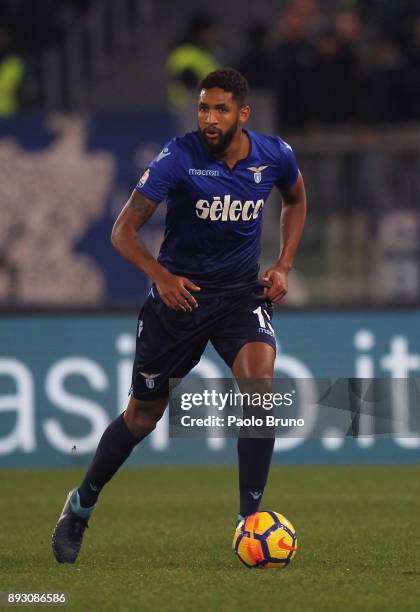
(126, 239)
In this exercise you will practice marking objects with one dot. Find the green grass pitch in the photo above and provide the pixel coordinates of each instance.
(161, 540)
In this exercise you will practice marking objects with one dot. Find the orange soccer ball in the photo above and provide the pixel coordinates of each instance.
(265, 540)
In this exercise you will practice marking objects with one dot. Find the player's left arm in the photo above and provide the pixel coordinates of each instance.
(292, 221)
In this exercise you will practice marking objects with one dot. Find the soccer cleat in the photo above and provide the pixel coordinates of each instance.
(68, 533)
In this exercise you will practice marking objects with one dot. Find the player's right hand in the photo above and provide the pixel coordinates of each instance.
(173, 291)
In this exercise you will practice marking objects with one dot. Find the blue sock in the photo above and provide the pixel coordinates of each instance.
(114, 447)
(254, 455)
(77, 508)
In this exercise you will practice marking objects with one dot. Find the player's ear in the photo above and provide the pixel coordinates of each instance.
(244, 113)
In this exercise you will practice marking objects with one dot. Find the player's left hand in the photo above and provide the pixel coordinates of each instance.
(275, 281)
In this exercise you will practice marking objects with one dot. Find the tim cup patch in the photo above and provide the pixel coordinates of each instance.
(144, 178)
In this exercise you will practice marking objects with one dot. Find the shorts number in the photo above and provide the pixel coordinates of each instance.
(263, 318)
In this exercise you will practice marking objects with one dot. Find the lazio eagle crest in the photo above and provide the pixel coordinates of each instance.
(257, 172)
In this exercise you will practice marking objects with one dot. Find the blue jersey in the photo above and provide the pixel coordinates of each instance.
(214, 213)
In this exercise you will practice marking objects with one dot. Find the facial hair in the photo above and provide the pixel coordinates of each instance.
(218, 148)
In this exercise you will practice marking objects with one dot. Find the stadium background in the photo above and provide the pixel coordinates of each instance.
(91, 111)
(83, 109)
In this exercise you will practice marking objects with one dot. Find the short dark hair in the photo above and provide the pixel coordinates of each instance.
(228, 79)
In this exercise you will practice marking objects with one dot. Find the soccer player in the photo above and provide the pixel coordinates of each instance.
(216, 181)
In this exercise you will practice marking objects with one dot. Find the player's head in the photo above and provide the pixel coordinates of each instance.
(222, 108)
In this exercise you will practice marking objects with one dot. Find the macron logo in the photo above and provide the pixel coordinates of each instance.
(198, 172)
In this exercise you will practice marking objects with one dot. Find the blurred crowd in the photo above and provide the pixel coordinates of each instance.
(323, 62)
(356, 64)
(34, 26)
(360, 64)
(27, 31)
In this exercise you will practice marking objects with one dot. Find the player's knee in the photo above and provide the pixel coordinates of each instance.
(145, 424)
(261, 382)
(266, 379)
(265, 375)
(141, 418)
(141, 424)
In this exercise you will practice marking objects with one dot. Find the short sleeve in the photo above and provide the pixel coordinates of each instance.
(288, 168)
(161, 176)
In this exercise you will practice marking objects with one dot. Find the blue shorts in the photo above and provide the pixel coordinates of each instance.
(170, 343)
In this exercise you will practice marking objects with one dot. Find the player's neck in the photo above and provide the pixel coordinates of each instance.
(238, 149)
